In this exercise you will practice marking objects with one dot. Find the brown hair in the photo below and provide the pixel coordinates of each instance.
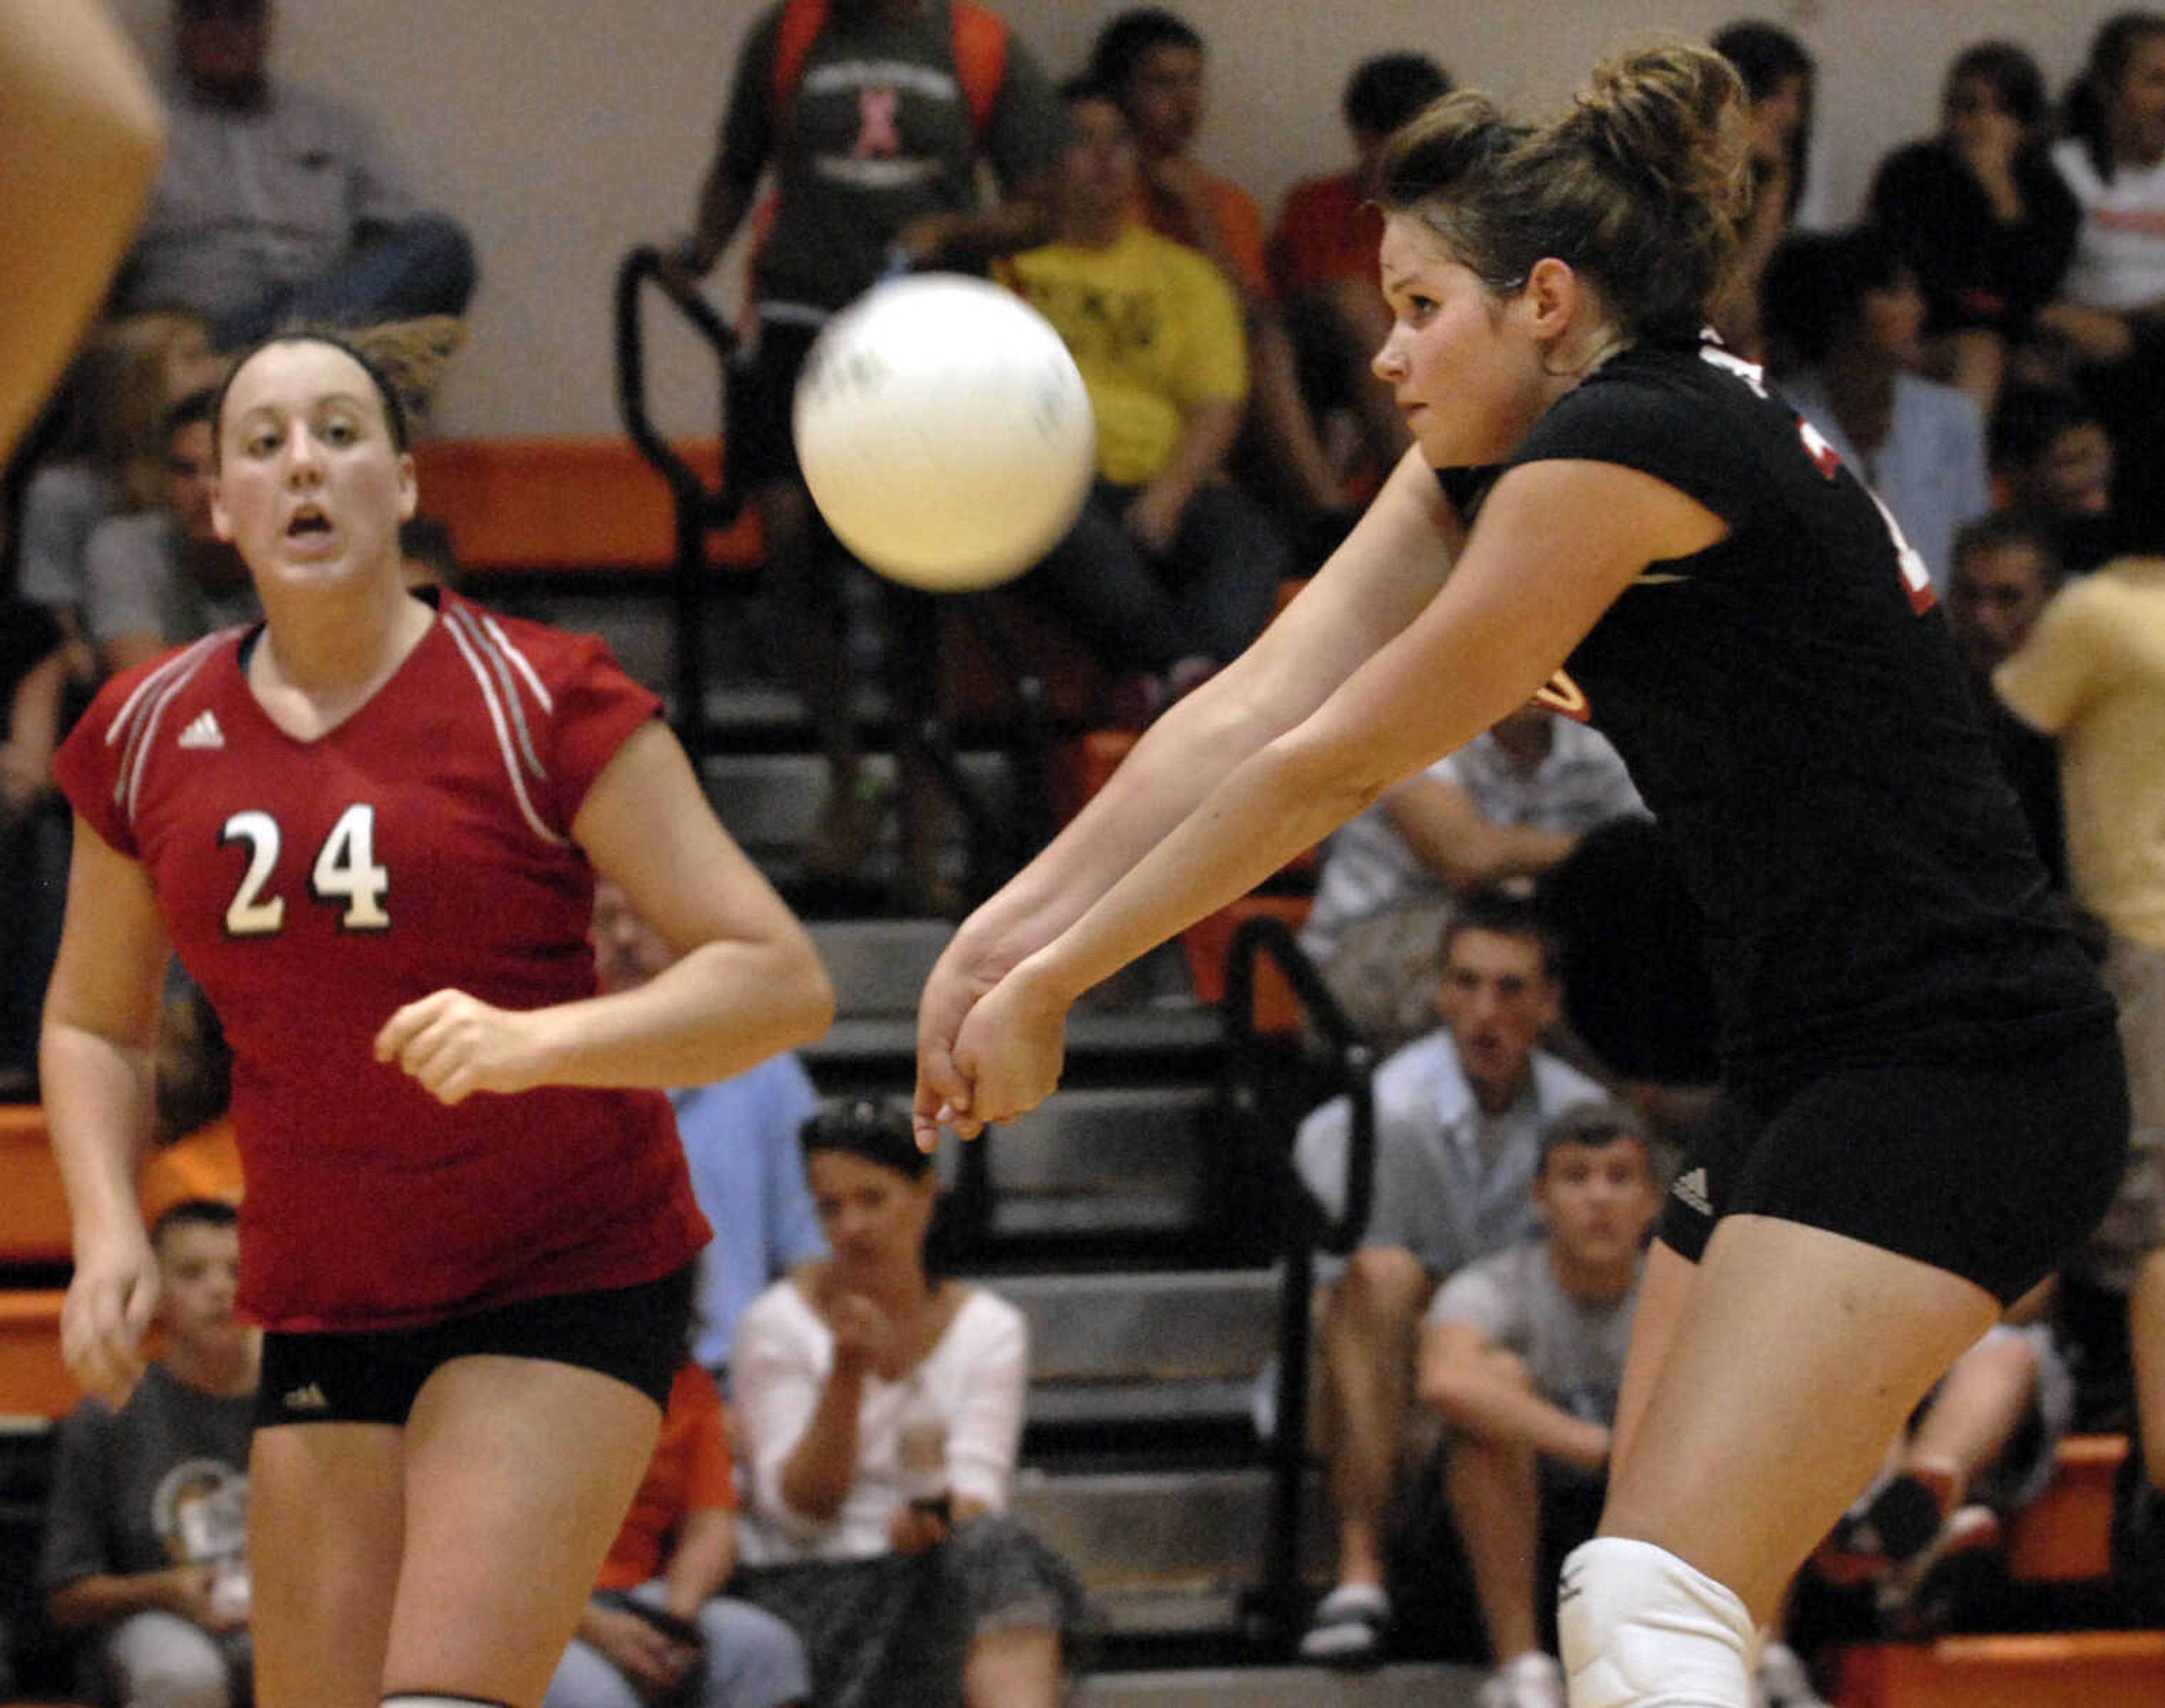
(1638, 188)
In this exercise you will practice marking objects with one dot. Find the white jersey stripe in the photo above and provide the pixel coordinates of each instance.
(118, 732)
(135, 756)
(490, 658)
(533, 677)
(503, 736)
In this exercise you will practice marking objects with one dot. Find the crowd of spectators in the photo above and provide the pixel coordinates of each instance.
(1983, 347)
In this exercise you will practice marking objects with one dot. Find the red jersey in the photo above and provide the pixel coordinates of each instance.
(312, 888)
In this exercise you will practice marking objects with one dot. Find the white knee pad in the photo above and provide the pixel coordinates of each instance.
(1638, 1628)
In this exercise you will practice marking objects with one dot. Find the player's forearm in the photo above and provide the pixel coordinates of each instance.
(1497, 851)
(705, 1557)
(720, 1009)
(101, 1598)
(817, 1478)
(1497, 1409)
(97, 1099)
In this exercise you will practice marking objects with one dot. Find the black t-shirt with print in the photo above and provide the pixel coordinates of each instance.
(1792, 708)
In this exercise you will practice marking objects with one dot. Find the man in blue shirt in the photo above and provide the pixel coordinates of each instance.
(741, 1139)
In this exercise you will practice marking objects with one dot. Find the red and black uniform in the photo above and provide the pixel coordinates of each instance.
(1915, 1051)
(313, 888)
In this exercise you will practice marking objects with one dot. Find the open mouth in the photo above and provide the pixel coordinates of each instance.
(308, 523)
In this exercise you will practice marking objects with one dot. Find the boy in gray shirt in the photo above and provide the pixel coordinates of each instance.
(1521, 1354)
(147, 1524)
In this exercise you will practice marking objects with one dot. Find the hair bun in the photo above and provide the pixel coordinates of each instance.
(1674, 116)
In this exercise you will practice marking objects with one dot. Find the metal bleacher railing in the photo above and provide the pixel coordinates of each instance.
(1307, 1226)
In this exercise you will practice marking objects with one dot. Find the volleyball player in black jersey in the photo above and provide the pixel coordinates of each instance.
(1925, 1096)
(80, 137)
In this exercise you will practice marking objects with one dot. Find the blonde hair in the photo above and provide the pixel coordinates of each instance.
(124, 398)
(1639, 187)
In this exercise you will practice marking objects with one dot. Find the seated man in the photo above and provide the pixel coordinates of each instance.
(1510, 804)
(1169, 572)
(146, 1527)
(276, 204)
(159, 578)
(1460, 1119)
(657, 1627)
(1521, 1356)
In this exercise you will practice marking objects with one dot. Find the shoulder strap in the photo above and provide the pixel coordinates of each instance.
(802, 21)
(981, 60)
(980, 42)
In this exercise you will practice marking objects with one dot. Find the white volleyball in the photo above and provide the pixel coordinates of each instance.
(944, 431)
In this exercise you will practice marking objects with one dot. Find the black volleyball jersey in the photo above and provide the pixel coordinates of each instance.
(1790, 704)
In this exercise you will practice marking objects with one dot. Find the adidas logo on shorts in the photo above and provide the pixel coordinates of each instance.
(1690, 1191)
(310, 1398)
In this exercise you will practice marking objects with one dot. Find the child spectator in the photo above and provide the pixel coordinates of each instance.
(1323, 261)
(1982, 218)
(1849, 308)
(147, 1526)
(160, 578)
(1152, 63)
(1460, 1119)
(1521, 1356)
(1169, 572)
(657, 1628)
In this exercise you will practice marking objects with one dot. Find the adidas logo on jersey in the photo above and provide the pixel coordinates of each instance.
(310, 1398)
(1691, 1190)
(203, 732)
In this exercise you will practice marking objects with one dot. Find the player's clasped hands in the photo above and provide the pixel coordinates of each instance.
(987, 1060)
(108, 1310)
(456, 1045)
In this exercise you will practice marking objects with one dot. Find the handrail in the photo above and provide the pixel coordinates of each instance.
(699, 508)
(642, 265)
(1307, 1226)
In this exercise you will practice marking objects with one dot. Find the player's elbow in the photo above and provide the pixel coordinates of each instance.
(804, 994)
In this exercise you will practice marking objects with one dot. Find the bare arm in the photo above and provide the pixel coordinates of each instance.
(747, 983)
(1558, 542)
(1207, 432)
(704, 1559)
(973, 241)
(1375, 585)
(33, 723)
(94, 1063)
(1440, 823)
(1477, 1386)
(185, 1590)
(76, 111)
(816, 1478)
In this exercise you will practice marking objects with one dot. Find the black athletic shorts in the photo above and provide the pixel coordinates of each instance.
(763, 394)
(1992, 1170)
(636, 1334)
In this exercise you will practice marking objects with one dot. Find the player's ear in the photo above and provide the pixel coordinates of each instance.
(1554, 294)
(409, 490)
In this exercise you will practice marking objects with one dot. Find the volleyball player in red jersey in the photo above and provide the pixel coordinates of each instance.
(80, 139)
(370, 825)
(1924, 1102)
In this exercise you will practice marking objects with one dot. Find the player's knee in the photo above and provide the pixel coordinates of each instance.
(1382, 1280)
(1639, 1628)
(426, 1698)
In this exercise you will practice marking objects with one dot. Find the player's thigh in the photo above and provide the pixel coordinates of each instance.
(325, 1533)
(1665, 1290)
(1798, 1355)
(519, 1471)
